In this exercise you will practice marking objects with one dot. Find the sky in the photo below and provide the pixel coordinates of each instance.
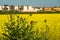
(39, 3)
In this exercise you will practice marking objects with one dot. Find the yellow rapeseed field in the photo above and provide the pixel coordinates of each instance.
(52, 20)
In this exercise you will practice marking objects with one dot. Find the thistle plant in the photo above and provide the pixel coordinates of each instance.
(12, 33)
(45, 34)
(19, 29)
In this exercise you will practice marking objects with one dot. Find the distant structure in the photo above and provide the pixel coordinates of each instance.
(51, 9)
(19, 8)
(27, 8)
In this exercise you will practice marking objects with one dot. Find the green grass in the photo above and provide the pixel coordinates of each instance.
(16, 12)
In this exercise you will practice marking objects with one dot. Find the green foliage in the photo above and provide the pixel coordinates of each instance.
(19, 29)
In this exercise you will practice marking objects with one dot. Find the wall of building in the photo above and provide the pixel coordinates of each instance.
(24, 8)
(41, 9)
(16, 8)
(47, 9)
(0, 7)
(56, 9)
(8, 8)
(4, 8)
(27, 9)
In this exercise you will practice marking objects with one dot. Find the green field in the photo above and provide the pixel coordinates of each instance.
(47, 23)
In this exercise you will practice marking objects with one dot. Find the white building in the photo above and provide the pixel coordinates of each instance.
(41, 9)
(36, 9)
(0, 8)
(6, 8)
(16, 8)
(27, 9)
(20, 8)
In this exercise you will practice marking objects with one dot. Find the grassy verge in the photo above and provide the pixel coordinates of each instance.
(15, 12)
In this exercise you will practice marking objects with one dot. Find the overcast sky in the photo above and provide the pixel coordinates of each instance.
(40, 3)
